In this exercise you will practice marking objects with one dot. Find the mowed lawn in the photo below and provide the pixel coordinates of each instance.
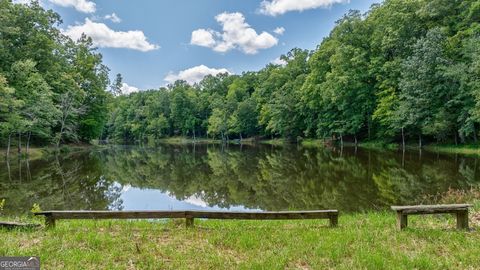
(362, 241)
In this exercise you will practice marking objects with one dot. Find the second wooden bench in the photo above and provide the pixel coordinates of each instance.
(460, 210)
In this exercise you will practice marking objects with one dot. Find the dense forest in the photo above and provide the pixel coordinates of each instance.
(52, 89)
(405, 70)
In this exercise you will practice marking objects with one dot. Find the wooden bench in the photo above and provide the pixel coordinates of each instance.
(460, 210)
(52, 216)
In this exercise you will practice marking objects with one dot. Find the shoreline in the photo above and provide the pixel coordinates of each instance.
(466, 149)
(41, 152)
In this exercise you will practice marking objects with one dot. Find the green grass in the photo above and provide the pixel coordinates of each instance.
(362, 241)
(465, 149)
(34, 153)
(42, 152)
(379, 145)
(313, 143)
(186, 140)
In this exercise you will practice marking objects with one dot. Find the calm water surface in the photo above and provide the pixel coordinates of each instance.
(234, 177)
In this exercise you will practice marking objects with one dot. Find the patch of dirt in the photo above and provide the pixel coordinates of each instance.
(298, 265)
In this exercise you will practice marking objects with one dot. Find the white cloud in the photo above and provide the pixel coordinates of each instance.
(279, 30)
(103, 36)
(196, 200)
(23, 2)
(84, 6)
(236, 34)
(202, 37)
(127, 89)
(113, 17)
(194, 74)
(278, 7)
(279, 61)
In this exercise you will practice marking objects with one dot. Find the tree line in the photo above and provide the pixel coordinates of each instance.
(52, 89)
(404, 70)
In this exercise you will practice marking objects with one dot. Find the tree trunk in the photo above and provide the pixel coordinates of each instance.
(28, 142)
(9, 170)
(420, 141)
(19, 142)
(356, 141)
(241, 136)
(9, 142)
(462, 138)
(29, 174)
(61, 134)
(369, 128)
(403, 139)
(341, 140)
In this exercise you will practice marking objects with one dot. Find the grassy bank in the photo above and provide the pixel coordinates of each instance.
(466, 149)
(34, 153)
(41, 152)
(313, 143)
(186, 140)
(379, 145)
(363, 241)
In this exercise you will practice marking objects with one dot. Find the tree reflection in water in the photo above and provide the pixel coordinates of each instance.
(257, 177)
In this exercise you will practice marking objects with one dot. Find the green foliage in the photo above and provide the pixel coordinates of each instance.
(2, 205)
(10, 106)
(36, 208)
(405, 68)
(52, 88)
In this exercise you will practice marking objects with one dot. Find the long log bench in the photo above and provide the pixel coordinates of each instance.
(459, 210)
(52, 216)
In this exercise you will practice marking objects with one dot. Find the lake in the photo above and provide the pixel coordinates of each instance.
(234, 177)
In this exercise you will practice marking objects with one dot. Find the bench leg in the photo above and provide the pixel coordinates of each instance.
(402, 221)
(462, 220)
(189, 222)
(334, 221)
(49, 221)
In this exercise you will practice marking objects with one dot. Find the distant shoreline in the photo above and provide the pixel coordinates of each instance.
(464, 149)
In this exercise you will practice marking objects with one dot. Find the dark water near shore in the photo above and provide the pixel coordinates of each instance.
(234, 177)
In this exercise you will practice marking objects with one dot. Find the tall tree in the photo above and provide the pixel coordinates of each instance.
(116, 87)
(424, 89)
(39, 112)
(10, 118)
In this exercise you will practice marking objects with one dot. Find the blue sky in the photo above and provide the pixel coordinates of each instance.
(162, 45)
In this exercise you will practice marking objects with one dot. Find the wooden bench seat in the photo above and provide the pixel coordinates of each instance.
(52, 216)
(460, 210)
